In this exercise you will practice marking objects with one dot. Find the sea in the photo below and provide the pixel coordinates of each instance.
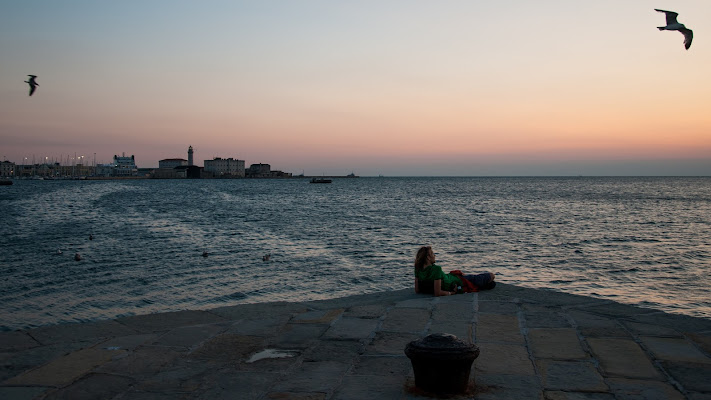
(150, 246)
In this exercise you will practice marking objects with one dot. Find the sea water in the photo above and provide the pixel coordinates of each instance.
(165, 245)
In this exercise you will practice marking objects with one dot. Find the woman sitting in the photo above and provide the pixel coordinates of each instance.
(429, 277)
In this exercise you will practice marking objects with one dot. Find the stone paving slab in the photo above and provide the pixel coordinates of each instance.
(22, 393)
(459, 311)
(351, 329)
(382, 366)
(13, 364)
(63, 370)
(330, 350)
(390, 343)
(128, 342)
(592, 325)
(574, 376)
(498, 358)
(642, 329)
(410, 320)
(674, 349)
(498, 327)
(623, 358)
(374, 311)
(16, 341)
(702, 341)
(188, 337)
(228, 348)
(93, 386)
(560, 395)
(299, 335)
(258, 327)
(545, 318)
(178, 377)
(611, 309)
(548, 297)
(499, 307)
(681, 323)
(422, 302)
(80, 332)
(556, 343)
(358, 387)
(379, 298)
(167, 321)
(259, 311)
(322, 376)
(296, 396)
(692, 376)
(643, 389)
(462, 330)
(141, 363)
(507, 387)
(535, 344)
(317, 316)
(226, 384)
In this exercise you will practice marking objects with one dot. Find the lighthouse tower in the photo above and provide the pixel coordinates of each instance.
(190, 156)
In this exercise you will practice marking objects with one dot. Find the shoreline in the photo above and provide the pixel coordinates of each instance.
(534, 343)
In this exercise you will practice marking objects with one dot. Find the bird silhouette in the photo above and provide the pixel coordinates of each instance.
(32, 83)
(673, 25)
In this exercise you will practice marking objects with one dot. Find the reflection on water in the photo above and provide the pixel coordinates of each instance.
(635, 240)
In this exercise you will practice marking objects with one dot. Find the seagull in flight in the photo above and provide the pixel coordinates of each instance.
(33, 84)
(673, 25)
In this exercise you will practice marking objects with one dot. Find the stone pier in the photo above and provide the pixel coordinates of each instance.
(534, 344)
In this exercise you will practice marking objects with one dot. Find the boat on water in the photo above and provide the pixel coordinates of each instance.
(5, 182)
(320, 180)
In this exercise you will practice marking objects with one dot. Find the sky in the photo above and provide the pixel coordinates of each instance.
(394, 88)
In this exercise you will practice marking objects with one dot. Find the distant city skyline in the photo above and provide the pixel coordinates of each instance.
(394, 88)
(670, 167)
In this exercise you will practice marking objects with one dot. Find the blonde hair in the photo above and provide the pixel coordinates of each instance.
(424, 257)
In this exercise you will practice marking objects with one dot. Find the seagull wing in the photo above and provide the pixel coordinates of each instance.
(688, 37)
(671, 16)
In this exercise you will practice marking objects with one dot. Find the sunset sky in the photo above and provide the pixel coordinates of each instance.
(472, 88)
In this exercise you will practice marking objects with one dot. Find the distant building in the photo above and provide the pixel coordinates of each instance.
(259, 171)
(145, 172)
(190, 156)
(167, 173)
(225, 167)
(172, 162)
(7, 168)
(265, 171)
(24, 170)
(189, 171)
(280, 174)
(104, 169)
(124, 166)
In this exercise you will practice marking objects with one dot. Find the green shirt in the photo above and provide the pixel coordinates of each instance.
(434, 272)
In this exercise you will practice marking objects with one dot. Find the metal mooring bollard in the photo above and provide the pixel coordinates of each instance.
(441, 363)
